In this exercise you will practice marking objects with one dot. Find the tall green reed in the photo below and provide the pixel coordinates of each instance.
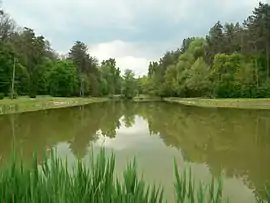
(52, 182)
(187, 192)
(267, 196)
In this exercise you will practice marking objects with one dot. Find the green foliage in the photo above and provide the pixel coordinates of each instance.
(187, 191)
(62, 79)
(45, 66)
(129, 84)
(110, 77)
(32, 95)
(53, 181)
(143, 85)
(171, 83)
(40, 71)
(86, 67)
(13, 96)
(2, 95)
(232, 61)
(198, 81)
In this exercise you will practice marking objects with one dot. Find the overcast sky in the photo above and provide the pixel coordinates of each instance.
(132, 31)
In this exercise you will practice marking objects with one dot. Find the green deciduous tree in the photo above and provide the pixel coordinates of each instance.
(233, 60)
(198, 81)
(87, 68)
(63, 79)
(129, 84)
(110, 77)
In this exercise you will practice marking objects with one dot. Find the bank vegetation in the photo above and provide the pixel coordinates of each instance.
(54, 181)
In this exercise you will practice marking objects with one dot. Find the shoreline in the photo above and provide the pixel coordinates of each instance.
(235, 103)
(153, 99)
(26, 104)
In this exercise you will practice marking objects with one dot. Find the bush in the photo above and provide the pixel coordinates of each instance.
(2, 95)
(15, 95)
(263, 91)
(32, 95)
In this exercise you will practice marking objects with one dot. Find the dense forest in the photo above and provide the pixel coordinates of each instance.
(233, 60)
(29, 66)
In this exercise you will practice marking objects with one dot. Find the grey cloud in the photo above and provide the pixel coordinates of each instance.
(152, 22)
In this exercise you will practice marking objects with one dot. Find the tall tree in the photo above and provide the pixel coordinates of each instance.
(215, 41)
(258, 26)
(111, 74)
(129, 84)
(62, 79)
(7, 26)
(86, 67)
(79, 56)
(30, 50)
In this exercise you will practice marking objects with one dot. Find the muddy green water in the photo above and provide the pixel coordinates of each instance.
(234, 143)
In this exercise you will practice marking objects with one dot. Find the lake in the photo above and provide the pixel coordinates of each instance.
(233, 143)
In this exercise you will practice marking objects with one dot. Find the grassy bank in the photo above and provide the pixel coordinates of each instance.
(53, 182)
(26, 104)
(223, 103)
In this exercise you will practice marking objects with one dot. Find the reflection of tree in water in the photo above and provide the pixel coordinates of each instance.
(129, 114)
(234, 141)
(37, 131)
(104, 117)
(88, 124)
(110, 120)
(231, 140)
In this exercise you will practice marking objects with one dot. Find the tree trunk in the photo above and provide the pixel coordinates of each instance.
(81, 89)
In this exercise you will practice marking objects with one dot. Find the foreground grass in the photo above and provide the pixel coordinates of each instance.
(53, 182)
(223, 103)
(26, 104)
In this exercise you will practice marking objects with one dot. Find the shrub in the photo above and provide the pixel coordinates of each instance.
(2, 95)
(32, 95)
(15, 95)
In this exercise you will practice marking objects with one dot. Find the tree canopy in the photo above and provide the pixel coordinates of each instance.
(232, 60)
(41, 71)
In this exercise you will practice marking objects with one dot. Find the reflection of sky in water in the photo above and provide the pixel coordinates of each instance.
(131, 137)
(155, 160)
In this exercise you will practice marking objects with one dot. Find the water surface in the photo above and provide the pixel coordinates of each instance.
(234, 143)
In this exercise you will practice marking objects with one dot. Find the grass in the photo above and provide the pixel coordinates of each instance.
(241, 103)
(26, 104)
(53, 182)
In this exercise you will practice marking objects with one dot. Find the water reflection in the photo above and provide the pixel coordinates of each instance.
(210, 141)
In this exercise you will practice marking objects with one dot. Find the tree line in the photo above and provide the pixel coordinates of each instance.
(232, 61)
(29, 66)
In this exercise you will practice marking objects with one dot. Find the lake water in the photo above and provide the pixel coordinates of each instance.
(233, 143)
